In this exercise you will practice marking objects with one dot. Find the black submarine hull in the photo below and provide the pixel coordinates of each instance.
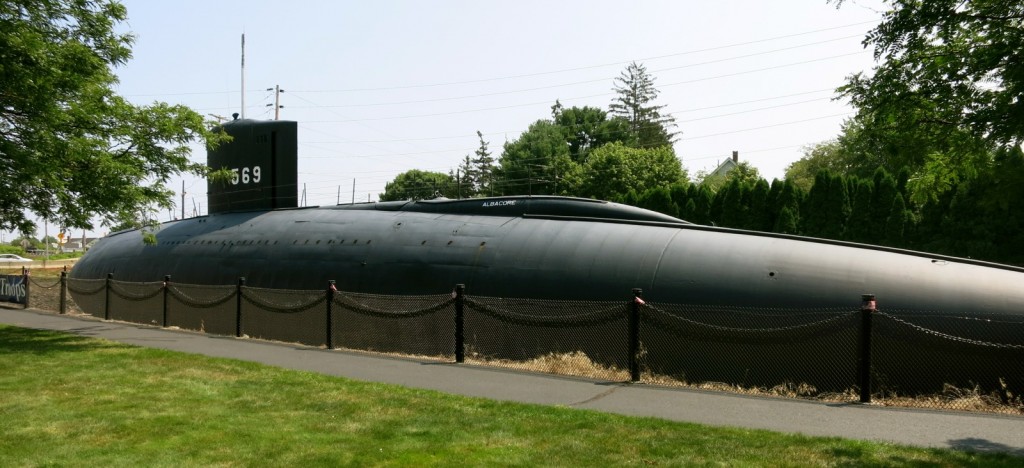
(530, 250)
(572, 249)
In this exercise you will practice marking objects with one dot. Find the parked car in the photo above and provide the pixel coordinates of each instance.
(11, 258)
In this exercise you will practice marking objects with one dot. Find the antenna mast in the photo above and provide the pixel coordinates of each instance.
(243, 75)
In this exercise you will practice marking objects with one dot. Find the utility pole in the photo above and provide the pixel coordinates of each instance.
(277, 101)
(353, 191)
(183, 199)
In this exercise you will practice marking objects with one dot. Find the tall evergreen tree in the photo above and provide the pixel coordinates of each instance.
(659, 199)
(758, 214)
(634, 101)
(897, 222)
(861, 228)
(483, 168)
(703, 199)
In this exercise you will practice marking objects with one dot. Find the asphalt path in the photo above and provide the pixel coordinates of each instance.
(927, 428)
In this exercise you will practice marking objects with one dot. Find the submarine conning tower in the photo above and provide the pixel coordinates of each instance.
(263, 159)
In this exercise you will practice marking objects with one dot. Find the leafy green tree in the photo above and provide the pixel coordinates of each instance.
(420, 185)
(614, 169)
(587, 128)
(824, 156)
(634, 101)
(72, 149)
(952, 64)
(743, 172)
(536, 163)
(945, 95)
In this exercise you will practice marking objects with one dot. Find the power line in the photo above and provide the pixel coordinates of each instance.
(618, 63)
(562, 85)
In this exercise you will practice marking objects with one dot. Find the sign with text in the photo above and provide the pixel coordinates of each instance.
(12, 288)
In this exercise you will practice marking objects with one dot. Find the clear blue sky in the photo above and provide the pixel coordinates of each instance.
(382, 87)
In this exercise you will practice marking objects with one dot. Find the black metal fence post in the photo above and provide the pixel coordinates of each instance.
(106, 297)
(867, 309)
(238, 307)
(634, 335)
(63, 306)
(26, 279)
(460, 321)
(167, 286)
(331, 289)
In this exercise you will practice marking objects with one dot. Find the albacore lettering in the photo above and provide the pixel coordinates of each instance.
(500, 203)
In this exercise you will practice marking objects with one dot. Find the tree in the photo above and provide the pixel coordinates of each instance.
(71, 149)
(824, 156)
(953, 63)
(483, 167)
(659, 199)
(945, 94)
(535, 163)
(635, 95)
(466, 178)
(743, 172)
(614, 169)
(586, 128)
(419, 185)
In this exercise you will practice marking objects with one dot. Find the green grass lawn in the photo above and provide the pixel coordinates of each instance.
(71, 400)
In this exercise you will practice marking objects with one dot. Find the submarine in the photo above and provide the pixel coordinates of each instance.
(542, 247)
(746, 291)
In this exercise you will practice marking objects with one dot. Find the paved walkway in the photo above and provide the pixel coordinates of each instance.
(978, 432)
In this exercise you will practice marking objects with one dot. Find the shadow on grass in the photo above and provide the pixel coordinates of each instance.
(15, 340)
(967, 452)
(973, 444)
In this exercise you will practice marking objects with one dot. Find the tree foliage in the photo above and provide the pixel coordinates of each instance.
(420, 185)
(534, 163)
(945, 95)
(71, 149)
(948, 64)
(634, 101)
(614, 169)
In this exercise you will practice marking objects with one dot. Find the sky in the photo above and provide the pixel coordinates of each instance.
(382, 87)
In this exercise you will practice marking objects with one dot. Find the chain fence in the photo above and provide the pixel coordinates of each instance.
(959, 362)
(289, 315)
(969, 361)
(210, 309)
(412, 325)
(580, 338)
(801, 352)
(137, 302)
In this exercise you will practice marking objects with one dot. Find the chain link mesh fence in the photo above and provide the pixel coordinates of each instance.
(580, 338)
(293, 316)
(804, 353)
(211, 309)
(89, 294)
(922, 359)
(137, 302)
(953, 362)
(45, 292)
(411, 325)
